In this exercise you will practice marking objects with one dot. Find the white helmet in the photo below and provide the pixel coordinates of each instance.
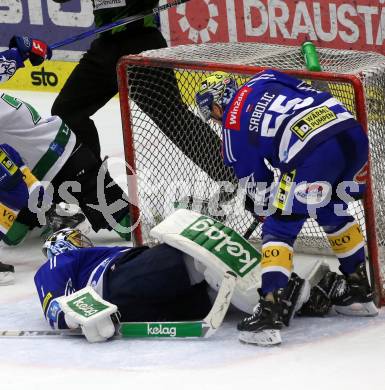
(65, 240)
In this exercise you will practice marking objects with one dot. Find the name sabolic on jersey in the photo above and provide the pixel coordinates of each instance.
(69, 272)
(281, 119)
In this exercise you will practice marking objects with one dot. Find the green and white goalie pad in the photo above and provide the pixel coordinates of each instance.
(215, 249)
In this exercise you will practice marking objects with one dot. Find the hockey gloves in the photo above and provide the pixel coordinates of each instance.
(37, 51)
(85, 308)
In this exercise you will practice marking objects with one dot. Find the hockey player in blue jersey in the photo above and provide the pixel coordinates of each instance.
(274, 120)
(144, 284)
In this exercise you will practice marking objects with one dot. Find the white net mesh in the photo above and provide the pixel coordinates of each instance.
(177, 155)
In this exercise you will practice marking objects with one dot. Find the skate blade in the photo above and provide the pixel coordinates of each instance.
(367, 309)
(7, 278)
(303, 296)
(264, 338)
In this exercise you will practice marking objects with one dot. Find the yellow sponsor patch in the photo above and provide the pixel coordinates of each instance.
(28, 177)
(7, 217)
(46, 301)
(346, 240)
(284, 188)
(312, 121)
(7, 163)
(277, 256)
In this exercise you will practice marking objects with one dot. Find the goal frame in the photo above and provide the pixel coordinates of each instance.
(129, 150)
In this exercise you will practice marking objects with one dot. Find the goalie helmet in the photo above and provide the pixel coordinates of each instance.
(65, 240)
(218, 88)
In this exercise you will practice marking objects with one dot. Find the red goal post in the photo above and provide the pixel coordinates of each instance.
(351, 88)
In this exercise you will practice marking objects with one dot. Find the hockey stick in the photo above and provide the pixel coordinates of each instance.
(120, 22)
(192, 329)
(251, 229)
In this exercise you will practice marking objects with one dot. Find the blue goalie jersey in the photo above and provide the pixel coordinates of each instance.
(280, 119)
(69, 272)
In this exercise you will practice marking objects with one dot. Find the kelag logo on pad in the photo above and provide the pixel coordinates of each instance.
(224, 243)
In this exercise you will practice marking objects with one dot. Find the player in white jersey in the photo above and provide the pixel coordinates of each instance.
(48, 152)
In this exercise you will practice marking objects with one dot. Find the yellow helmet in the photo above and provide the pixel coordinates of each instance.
(65, 240)
(218, 88)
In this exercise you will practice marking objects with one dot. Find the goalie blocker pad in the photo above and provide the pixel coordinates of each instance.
(215, 249)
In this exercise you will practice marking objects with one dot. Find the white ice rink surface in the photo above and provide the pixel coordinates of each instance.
(328, 353)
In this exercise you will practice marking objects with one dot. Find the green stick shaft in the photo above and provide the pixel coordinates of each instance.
(127, 330)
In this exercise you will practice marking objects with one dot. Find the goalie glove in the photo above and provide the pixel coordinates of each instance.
(85, 308)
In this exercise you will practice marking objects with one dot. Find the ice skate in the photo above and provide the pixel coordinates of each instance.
(272, 312)
(353, 295)
(7, 274)
(65, 215)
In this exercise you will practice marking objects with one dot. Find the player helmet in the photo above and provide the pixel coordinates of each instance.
(218, 88)
(65, 240)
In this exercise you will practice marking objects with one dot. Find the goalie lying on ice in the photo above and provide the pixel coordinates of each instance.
(173, 281)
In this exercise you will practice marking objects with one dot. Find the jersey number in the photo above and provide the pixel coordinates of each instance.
(280, 109)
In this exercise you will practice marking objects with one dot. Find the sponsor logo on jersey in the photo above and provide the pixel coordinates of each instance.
(223, 242)
(44, 78)
(312, 121)
(7, 163)
(284, 188)
(362, 175)
(101, 4)
(233, 119)
(312, 193)
(161, 330)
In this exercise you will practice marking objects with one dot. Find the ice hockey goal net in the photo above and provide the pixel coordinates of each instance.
(173, 154)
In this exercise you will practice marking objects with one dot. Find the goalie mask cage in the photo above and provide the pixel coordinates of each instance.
(173, 155)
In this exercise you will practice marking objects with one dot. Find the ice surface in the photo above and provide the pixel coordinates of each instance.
(328, 353)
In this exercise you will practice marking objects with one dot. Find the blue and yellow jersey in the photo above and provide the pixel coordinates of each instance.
(279, 119)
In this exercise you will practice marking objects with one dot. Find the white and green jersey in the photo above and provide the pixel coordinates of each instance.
(44, 144)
